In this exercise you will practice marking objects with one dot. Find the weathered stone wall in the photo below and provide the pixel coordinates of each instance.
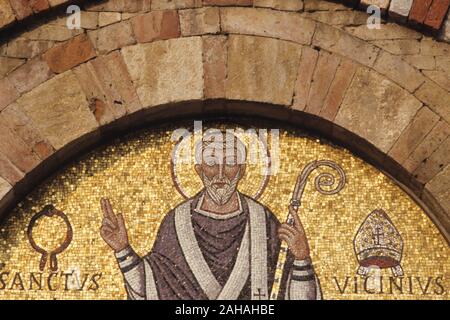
(384, 93)
(426, 15)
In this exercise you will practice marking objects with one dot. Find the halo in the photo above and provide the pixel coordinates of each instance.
(182, 191)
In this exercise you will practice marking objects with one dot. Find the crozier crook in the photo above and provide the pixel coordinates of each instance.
(324, 179)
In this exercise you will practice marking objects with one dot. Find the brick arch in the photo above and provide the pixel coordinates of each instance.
(422, 15)
(284, 65)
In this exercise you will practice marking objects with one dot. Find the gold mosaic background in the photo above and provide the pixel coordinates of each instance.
(134, 172)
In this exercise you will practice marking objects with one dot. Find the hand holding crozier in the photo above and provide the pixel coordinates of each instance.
(295, 236)
(113, 229)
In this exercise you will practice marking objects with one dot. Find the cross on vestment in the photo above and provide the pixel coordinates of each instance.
(259, 295)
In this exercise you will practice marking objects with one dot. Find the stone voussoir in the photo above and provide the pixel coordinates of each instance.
(262, 69)
(340, 42)
(381, 114)
(30, 75)
(267, 23)
(288, 5)
(228, 2)
(59, 110)
(156, 25)
(166, 71)
(199, 21)
(175, 4)
(70, 54)
(112, 37)
(215, 66)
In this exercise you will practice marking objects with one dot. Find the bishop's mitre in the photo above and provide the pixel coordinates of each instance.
(378, 244)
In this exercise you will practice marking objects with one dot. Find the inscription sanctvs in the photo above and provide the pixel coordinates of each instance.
(53, 281)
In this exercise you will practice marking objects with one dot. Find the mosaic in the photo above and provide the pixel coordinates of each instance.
(132, 220)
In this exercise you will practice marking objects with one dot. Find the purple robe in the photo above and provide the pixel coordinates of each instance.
(167, 274)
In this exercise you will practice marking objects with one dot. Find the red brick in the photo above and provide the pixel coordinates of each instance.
(323, 76)
(227, 2)
(437, 13)
(156, 25)
(21, 8)
(338, 88)
(8, 93)
(419, 11)
(70, 54)
(306, 70)
(39, 5)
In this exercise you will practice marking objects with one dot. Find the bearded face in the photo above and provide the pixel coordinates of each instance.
(220, 165)
(220, 188)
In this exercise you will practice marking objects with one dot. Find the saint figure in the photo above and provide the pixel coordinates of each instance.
(220, 244)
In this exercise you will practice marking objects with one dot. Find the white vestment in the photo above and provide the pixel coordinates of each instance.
(251, 262)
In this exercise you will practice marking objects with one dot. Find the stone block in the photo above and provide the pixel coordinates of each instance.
(199, 21)
(5, 188)
(121, 6)
(21, 8)
(398, 70)
(338, 89)
(417, 130)
(166, 71)
(268, 23)
(228, 2)
(324, 73)
(9, 172)
(9, 64)
(434, 164)
(19, 153)
(308, 63)
(288, 5)
(6, 13)
(436, 98)
(112, 37)
(25, 48)
(30, 75)
(342, 43)
(8, 93)
(387, 31)
(262, 69)
(24, 128)
(107, 18)
(70, 54)
(427, 146)
(175, 4)
(376, 109)
(59, 110)
(156, 25)
(399, 9)
(215, 66)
